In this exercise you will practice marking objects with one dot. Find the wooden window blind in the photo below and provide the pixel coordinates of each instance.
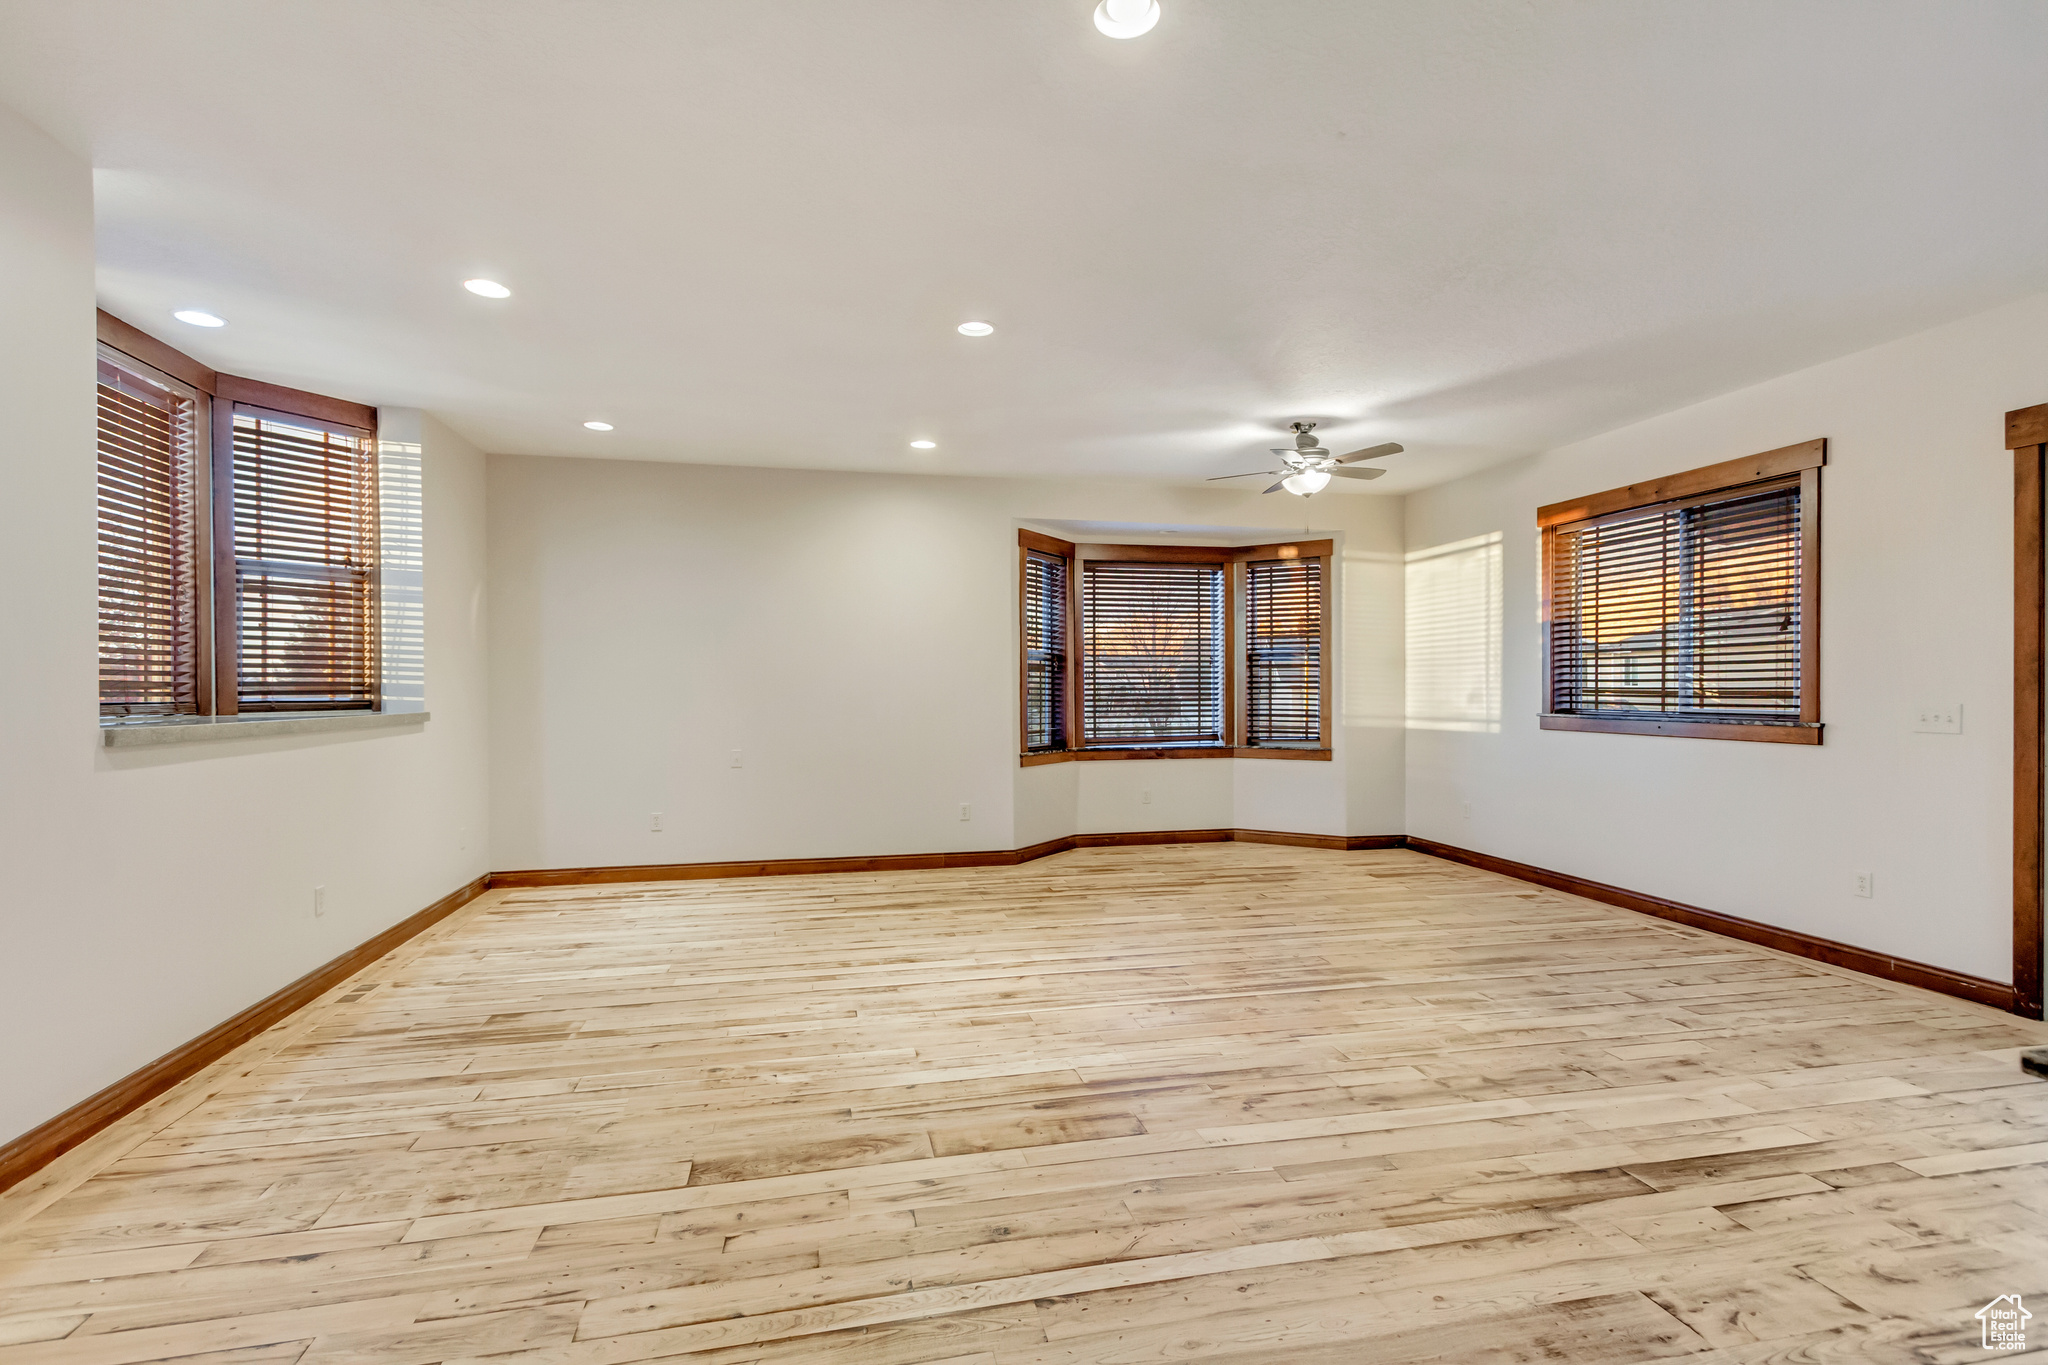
(1045, 651)
(1152, 665)
(1283, 679)
(1692, 610)
(305, 563)
(149, 543)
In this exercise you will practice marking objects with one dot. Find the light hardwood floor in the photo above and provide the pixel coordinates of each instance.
(1224, 1102)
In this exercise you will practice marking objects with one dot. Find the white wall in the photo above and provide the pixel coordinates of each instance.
(1186, 793)
(150, 894)
(855, 637)
(1916, 594)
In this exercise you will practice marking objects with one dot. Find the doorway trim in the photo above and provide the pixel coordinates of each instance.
(2026, 436)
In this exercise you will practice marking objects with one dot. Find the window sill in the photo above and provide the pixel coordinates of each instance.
(1217, 751)
(1766, 732)
(151, 730)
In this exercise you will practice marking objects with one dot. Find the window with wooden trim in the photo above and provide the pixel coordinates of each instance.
(1283, 668)
(305, 563)
(1689, 606)
(1045, 652)
(238, 540)
(151, 435)
(1134, 651)
(1152, 655)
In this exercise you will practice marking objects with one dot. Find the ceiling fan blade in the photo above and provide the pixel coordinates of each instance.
(1256, 473)
(1276, 487)
(1372, 452)
(1343, 473)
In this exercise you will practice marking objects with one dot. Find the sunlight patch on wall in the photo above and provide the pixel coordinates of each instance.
(402, 580)
(1454, 635)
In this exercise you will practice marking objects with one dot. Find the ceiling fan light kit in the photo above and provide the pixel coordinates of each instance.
(1306, 468)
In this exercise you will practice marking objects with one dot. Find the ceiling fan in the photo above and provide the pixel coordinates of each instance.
(1307, 467)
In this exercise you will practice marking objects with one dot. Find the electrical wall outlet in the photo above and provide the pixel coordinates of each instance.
(1465, 808)
(1145, 796)
(319, 902)
(654, 823)
(1942, 719)
(735, 758)
(1866, 884)
(966, 810)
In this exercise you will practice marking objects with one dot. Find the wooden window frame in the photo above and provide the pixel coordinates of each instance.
(1027, 543)
(1240, 587)
(1232, 558)
(200, 529)
(218, 663)
(1730, 478)
(272, 403)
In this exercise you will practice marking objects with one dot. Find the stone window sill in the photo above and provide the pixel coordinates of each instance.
(148, 730)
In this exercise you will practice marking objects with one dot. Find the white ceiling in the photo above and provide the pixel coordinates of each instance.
(744, 231)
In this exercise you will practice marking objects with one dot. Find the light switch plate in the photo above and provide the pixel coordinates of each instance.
(1945, 719)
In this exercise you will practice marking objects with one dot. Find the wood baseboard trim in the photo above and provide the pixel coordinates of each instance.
(39, 1146)
(1139, 838)
(1903, 970)
(920, 862)
(1340, 842)
(765, 867)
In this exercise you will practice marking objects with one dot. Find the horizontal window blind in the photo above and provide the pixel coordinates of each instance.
(305, 518)
(149, 563)
(1045, 651)
(1690, 611)
(1152, 663)
(1283, 679)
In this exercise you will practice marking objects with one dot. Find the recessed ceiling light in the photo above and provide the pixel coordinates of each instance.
(599, 426)
(197, 318)
(1126, 18)
(975, 329)
(490, 289)
(924, 445)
